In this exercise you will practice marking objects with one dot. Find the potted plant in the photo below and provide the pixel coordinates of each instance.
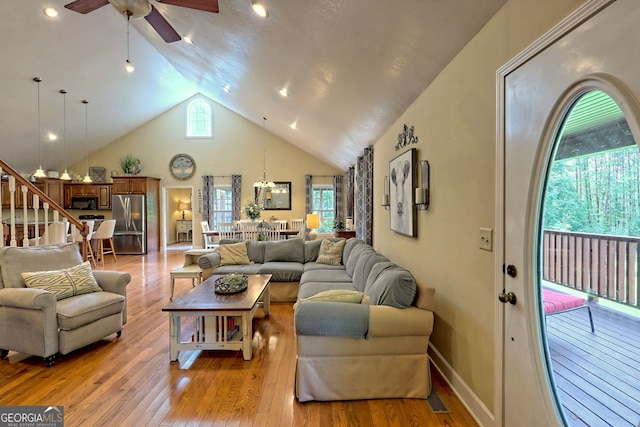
(128, 164)
(337, 224)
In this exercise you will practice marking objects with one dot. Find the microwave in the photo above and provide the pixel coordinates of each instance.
(85, 203)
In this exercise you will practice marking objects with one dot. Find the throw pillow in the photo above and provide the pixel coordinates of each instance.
(339, 295)
(64, 283)
(234, 254)
(331, 252)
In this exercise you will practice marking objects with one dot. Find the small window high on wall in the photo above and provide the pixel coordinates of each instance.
(199, 119)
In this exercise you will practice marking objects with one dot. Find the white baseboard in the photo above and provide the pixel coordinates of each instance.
(477, 409)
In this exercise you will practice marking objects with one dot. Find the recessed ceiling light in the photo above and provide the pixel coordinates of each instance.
(227, 89)
(188, 39)
(259, 8)
(294, 125)
(52, 136)
(284, 92)
(50, 12)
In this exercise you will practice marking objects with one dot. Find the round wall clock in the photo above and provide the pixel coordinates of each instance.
(182, 166)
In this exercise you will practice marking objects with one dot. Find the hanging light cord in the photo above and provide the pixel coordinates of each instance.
(64, 125)
(86, 130)
(128, 24)
(38, 80)
(264, 153)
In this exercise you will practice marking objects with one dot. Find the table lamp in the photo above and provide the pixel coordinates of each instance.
(184, 206)
(313, 222)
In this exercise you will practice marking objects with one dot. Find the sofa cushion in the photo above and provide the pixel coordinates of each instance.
(389, 284)
(282, 271)
(348, 247)
(315, 266)
(355, 255)
(64, 283)
(311, 250)
(16, 260)
(330, 276)
(339, 295)
(234, 254)
(331, 252)
(284, 250)
(83, 309)
(237, 268)
(363, 267)
(313, 288)
(255, 250)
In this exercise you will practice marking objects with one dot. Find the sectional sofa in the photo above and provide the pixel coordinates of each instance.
(362, 322)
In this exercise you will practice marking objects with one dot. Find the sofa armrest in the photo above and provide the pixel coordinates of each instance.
(387, 321)
(211, 260)
(331, 319)
(29, 298)
(113, 281)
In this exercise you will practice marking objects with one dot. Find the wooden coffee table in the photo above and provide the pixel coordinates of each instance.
(216, 316)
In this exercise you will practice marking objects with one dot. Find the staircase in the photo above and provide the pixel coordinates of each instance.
(36, 210)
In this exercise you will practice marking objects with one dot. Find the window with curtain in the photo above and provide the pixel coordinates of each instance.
(323, 203)
(199, 119)
(222, 205)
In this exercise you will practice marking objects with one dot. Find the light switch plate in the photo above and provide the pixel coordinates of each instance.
(486, 239)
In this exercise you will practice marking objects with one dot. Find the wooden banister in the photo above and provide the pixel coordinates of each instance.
(80, 226)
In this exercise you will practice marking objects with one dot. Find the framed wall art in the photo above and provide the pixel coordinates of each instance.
(401, 193)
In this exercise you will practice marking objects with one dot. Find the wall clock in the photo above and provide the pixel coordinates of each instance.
(182, 166)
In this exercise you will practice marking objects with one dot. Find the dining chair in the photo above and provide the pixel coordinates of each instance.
(249, 229)
(227, 230)
(298, 224)
(207, 240)
(76, 237)
(103, 234)
(270, 234)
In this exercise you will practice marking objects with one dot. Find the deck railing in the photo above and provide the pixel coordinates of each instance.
(604, 265)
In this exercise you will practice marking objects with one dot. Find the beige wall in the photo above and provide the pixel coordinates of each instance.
(236, 148)
(455, 120)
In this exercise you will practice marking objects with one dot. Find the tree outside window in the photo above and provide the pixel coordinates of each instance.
(222, 205)
(323, 203)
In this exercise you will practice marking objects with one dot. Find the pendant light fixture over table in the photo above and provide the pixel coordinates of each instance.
(65, 175)
(39, 173)
(264, 184)
(87, 178)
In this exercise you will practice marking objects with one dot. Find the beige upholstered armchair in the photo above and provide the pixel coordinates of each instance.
(51, 302)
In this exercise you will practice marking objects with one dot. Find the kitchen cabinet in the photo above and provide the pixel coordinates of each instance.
(132, 185)
(52, 187)
(101, 191)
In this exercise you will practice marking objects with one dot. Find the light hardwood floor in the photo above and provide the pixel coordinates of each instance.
(130, 382)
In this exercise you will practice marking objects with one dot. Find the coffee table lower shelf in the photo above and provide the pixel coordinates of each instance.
(213, 331)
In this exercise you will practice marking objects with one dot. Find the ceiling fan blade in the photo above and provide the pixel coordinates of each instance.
(161, 25)
(206, 5)
(86, 6)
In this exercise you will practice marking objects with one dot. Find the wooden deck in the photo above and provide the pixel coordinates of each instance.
(597, 375)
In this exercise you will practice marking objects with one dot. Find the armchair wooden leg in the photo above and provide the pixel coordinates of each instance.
(119, 333)
(4, 353)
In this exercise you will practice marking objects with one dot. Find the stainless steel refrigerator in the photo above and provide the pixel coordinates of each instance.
(129, 236)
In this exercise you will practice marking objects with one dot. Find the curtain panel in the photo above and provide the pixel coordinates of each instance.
(236, 195)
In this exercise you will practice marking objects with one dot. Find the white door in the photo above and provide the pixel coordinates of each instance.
(536, 91)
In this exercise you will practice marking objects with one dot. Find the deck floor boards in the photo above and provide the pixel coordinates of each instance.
(597, 375)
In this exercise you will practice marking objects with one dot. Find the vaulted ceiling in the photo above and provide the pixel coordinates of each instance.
(350, 67)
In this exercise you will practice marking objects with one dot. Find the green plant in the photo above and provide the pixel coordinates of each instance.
(252, 210)
(337, 224)
(128, 163)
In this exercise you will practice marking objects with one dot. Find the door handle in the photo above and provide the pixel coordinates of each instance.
(508, 297)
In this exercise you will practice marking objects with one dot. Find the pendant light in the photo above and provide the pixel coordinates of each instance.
(264, 183)
(87, 178)
(65, 175)
(128, 66)
(39, 173)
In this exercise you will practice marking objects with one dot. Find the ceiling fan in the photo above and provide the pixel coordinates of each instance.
(143, 8)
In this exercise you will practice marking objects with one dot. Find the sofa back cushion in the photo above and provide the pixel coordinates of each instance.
(389, 284)
(284, 250)
(354, 255)
(16, 260)
(348, 247)
(255, 250)
(363, 267)
(312, 250)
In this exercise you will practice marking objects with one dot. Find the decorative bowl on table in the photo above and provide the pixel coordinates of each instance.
(231, 283)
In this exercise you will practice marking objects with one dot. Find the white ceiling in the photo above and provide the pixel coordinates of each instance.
(351, 68)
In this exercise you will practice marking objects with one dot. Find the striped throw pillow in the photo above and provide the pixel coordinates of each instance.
(64, 283)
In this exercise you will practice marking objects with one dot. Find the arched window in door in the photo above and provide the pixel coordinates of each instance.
(590, 259)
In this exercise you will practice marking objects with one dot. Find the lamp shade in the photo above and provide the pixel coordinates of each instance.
(313, 220)
(184, 206)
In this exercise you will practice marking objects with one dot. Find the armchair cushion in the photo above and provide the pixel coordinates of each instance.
(16, 260)
(64, 283)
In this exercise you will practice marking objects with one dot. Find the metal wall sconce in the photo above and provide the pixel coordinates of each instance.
(387, 184)
(423, 191)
